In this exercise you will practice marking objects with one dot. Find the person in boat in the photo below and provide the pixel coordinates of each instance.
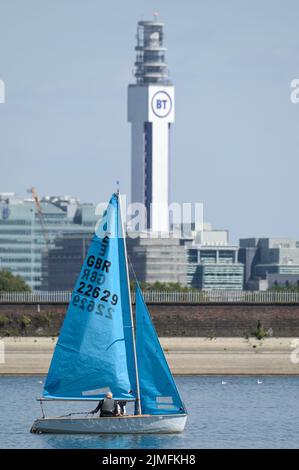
(122, 407)
(107, 407)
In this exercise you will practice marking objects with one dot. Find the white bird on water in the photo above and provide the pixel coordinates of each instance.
(40, 381)
(223, 382)
(259, 382)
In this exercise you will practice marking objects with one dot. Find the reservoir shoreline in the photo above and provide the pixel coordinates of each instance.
(185, 355)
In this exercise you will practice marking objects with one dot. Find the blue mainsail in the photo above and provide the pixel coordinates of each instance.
(158, 391)
(94, 352)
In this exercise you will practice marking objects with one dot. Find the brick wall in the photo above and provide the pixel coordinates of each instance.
(170, 320)
(224, 320)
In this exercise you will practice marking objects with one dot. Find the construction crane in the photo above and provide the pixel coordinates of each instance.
(40, 215)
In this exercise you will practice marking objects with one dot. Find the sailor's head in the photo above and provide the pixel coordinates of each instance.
(109, 395)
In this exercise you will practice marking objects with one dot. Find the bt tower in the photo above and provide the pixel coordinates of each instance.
(151, 113)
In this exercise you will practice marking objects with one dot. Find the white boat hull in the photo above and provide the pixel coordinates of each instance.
(115, 425)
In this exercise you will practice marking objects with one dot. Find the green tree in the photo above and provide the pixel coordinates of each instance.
(9, 282)
(259, 332)
(281, 288)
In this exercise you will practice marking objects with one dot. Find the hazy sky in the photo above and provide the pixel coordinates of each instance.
(67, 63)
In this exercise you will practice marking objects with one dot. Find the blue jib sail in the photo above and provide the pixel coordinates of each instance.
(158, 391)
(94, 353)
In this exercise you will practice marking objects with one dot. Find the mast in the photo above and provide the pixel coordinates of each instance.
(138, 402)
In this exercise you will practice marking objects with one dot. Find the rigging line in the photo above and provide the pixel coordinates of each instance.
(132, 270)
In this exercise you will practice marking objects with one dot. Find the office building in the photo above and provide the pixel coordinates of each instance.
(203, 260)
(158, 259)
(269, 262)
(27, 231)
(67, 256)
(213, 262)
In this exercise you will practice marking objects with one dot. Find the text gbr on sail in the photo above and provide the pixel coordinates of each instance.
(98, 263)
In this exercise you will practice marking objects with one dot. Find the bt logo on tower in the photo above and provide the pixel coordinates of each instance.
(161, 104)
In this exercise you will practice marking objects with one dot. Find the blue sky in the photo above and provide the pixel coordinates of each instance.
(63, 129)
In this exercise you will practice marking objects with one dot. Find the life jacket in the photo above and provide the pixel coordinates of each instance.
(108, 406)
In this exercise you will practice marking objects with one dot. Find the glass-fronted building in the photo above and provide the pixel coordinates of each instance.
(205, 260)
(27, 232)
(66, 257)
(214, 268)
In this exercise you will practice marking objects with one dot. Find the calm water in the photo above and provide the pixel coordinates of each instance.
(239, 414)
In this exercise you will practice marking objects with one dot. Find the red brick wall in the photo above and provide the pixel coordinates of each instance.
(224, 320)
(170, 320)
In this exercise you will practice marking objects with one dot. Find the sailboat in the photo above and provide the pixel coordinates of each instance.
(103, 348)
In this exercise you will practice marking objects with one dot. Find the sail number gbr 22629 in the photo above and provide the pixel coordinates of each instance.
(95, 292)
(104, 309)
